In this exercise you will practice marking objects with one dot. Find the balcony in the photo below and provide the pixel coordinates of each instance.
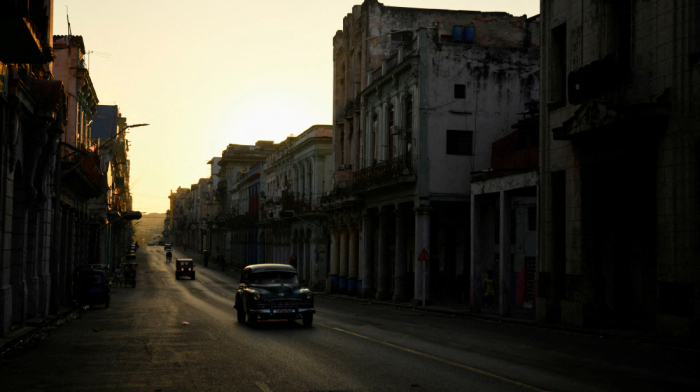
(396, 170)
(81, 170)
(26, 23)
(296, 205)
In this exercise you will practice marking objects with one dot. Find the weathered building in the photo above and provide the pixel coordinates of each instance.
(33, 112)
(296, 177)
(110, 227)
(419, 96)
(82, 178)
(235, 217)
(504, 220)
(620, 172)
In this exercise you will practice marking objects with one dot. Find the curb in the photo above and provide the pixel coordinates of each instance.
(633, 336)
(29, 334)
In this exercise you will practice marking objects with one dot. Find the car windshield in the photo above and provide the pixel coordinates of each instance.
(183, 263)
(274, 277)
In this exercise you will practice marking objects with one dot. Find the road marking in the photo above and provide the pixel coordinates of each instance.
(263, 386)
(473, 369)
(166, 283)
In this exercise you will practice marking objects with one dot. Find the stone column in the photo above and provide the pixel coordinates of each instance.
(422, 273)
(367, 289)
(505, 266)
(335, 259)
(352, 262)
(307, 261)
(400, 258)
(383, 280)
(343, 275)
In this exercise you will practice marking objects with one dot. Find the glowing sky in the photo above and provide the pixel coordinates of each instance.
(206, 73)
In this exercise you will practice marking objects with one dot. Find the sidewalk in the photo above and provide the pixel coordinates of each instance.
(525, 317)
(35, 331)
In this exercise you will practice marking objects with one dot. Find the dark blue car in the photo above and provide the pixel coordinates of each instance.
(92, 288)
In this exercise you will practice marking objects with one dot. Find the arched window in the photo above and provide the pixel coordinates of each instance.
(342, 147)
(375, 137)
(408, 122)
(390, 131)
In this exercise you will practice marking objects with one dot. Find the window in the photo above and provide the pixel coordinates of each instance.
(342, 146)
(400, 38)
(408, 122)
(459, 142)
(557, 64)
(532, 218)
(460, 91)
(390, 130)
(374, 137)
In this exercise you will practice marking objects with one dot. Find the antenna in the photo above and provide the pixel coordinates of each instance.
(69, 32)
(98, 54)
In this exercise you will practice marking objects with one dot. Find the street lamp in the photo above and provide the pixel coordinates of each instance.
(104, 144)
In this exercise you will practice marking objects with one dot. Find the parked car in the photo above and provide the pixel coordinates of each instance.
(272, 291)
(92, 287)
(184, 267)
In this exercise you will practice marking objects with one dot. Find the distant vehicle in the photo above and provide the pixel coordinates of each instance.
(130, 274)
(272, 291)
(167, 247)
(184, 267)
(131, 256)
(151, 244)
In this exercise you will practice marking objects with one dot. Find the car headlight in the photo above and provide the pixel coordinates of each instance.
(309, 295)
(256, 297)
(182, 269)
(189, 269)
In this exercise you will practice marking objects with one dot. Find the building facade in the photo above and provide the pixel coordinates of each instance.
(293, 229)
(419, 97)
(620, 190)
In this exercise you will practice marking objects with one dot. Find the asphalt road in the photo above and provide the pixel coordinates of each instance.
(140, 344)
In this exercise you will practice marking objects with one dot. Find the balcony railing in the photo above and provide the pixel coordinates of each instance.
(297, 205)
(383, 172)
(87, 160)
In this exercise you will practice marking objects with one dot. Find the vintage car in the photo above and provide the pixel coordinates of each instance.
(167, 247)
(91, 287)
(184, 267)
(272, 291)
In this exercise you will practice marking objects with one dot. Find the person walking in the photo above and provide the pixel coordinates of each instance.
(118, 275)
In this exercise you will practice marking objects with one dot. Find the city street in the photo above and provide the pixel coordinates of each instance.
(140, 343)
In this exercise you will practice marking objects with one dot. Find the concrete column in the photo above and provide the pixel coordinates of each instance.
(343, 275)
(506, 266)
(476, 268)
(400, 258)
(383, 280)
(352, 262)
(335, 259)
(367, 289)
(422, 273)
(306, 261)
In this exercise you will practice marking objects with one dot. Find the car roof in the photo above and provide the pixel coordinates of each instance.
(190, 260)
(270, 267)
